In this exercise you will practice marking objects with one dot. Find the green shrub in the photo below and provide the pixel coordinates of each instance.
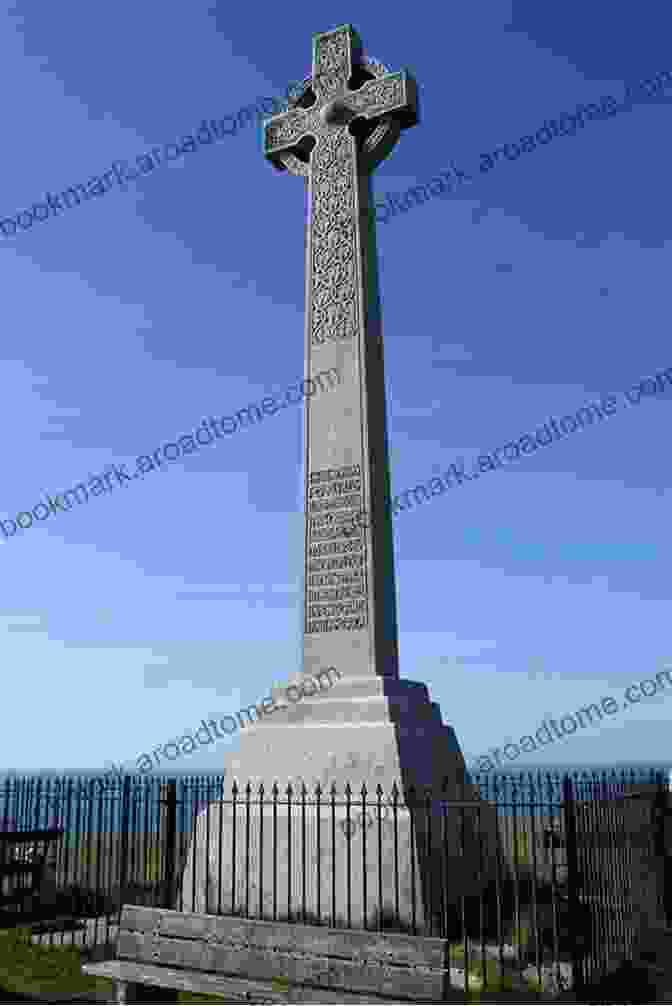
(482, 971)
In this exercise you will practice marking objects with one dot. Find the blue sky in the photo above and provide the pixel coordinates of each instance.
(541, 285)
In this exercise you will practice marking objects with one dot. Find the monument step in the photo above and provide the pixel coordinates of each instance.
(341, 750)
(345, 710)
(356, 687)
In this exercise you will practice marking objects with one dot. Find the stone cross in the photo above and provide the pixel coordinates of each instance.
(346, 120)
(372, 727)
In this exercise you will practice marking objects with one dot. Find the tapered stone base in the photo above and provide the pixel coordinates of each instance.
(308, 865)
(362, 730)
(353, 856)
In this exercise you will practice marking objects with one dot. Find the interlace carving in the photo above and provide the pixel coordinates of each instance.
(378, 95)
(289, 128)
(333, 62)
(333, 293)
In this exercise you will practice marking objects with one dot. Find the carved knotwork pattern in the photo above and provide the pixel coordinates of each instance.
(287, 129)
(333, 62)
(333, 293)
(378, 96)
(372, 141)
(294, 165)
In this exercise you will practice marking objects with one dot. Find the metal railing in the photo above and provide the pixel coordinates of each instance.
(519, 873)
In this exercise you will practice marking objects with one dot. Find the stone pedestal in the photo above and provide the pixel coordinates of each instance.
(346, 859)
(362, 730)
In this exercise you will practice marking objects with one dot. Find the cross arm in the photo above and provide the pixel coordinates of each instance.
(394, 93)
(284, 131)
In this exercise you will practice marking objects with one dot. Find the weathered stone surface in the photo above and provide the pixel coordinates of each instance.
(362, 731)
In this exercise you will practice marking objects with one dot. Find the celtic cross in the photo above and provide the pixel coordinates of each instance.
(346, 119)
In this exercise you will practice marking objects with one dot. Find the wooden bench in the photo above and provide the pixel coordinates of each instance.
(274, 962)
(24, 858)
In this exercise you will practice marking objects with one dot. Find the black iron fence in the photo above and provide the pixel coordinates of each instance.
(543, 876)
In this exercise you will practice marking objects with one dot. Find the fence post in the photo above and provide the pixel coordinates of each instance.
(573, 882)
(662, 817)
(169, 802)
(124, 828)
(667, 861)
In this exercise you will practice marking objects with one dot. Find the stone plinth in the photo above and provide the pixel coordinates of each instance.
(345, 861)
(337, 867)
(364, 730)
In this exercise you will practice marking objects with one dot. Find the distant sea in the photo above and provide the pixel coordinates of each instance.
(515, 769)
(98, 772)
(532, 777)
(104, 813)
(80, 804)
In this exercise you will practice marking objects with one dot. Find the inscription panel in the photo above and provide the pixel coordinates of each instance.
(336, 576)
(330, 474)
(334, 579)
(336, 488)
(341, 519)
(335, 624)
(341, 529)
(320, 506)
(336, 593)
(336, 548)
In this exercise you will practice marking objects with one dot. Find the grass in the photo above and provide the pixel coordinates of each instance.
(29, 969)
(33, 970)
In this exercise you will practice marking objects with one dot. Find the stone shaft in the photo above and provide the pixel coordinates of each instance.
(334, 136)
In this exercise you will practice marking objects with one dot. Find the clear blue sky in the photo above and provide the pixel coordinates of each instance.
(540, 286)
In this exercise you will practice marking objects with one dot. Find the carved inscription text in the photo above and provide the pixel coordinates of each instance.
(336, 580)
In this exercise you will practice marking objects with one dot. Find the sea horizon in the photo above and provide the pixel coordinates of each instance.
(664, 765)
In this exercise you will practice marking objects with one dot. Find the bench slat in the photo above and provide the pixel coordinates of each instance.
(184, 981)
(230, 987)
(385, 948)
(311, 967)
